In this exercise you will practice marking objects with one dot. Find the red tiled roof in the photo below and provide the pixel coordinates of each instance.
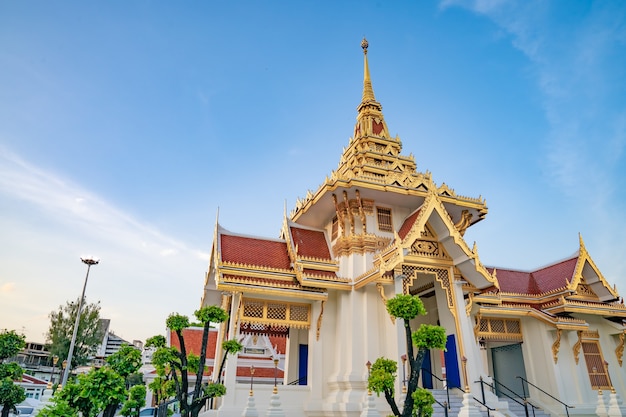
(554, 276)
(408, 224)
(541, 281)
(251, 251)
(193, 341)
(311, 243)
(513, 281)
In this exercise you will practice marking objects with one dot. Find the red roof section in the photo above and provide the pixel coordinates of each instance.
(408, 224)
(555, 276)
(252, 251)
(513, 281)
(541, 281)
(193, 341)
(311, 243)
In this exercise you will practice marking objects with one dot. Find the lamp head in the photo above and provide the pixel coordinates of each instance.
(90, 260)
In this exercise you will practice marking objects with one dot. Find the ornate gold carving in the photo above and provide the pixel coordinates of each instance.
(381, 291)
(340, 216)
(578, 345)
(274, 313)
(556, 345)
(497, 328)
(349, 212)
(319, 321)
(361, 212)
(425, 248)
(359, 244)
(619, 351)
(469, 304)
(464, 222)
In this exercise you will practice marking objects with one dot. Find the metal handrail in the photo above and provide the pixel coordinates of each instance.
(297, 381)
(444, 382)
(479, 402)
(445, 406)
(524, 404)
(548, 394)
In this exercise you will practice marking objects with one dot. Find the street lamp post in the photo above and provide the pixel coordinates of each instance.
(88, 261)
(55, 359)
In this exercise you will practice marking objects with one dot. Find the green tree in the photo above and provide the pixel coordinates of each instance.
(101, 390)
(175, 365)
(106, 389)
(136, 400)
(11, 394)
(58, 407)
(89, 335)
(382, 375)
(126, 362)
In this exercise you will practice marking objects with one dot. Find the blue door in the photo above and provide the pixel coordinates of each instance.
(303, 360)
(452, 363)
(427, 375)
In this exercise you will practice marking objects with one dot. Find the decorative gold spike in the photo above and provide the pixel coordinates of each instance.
(368, 91)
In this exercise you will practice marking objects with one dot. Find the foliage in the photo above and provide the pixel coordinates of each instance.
(89, 335)
(11, 394)
(229, 346)
(10, 343)
(105, 388)
(211, 314)
(125, 361)
(423, 401)
(174, 367)
(71, 395)
(430, 337)
(136, 378)
(177, 322)
(100, 391)
(58, 408)
(214, 389)
(155, 341)
(405, 307)
(382, 377)
(136, 400)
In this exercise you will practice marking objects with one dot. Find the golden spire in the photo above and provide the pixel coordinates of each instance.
(368, 91)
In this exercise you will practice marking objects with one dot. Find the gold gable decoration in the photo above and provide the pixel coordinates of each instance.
(275, 313)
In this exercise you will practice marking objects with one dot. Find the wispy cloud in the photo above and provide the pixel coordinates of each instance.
(577, 54)
(573, 62)
(140, 265)
(71, 204)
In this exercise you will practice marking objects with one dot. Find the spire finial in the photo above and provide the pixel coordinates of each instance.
(368, 91)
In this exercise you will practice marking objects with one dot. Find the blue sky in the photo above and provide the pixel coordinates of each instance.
(124, 126)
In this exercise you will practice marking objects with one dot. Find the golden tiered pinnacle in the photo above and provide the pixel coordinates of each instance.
(368, 91)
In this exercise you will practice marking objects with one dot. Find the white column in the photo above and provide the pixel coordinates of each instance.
(230, 374)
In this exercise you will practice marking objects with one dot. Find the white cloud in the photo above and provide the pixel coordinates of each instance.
(46, 228)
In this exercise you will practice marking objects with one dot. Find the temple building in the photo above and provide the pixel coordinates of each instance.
(378, 227)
